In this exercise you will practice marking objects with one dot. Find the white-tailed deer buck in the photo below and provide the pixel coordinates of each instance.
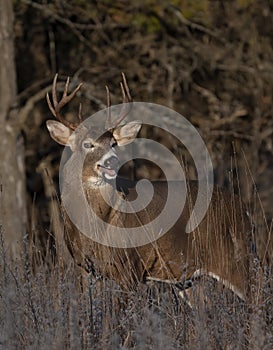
(219, 247)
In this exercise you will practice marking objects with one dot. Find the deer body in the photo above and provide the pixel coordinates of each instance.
(218, 247)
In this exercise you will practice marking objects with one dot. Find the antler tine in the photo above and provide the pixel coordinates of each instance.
(108, 118)
(54, 97)
(67, 98)
(80, 113)
(57, 106)
(52, 110)
(125, 85)
(126, 99)
(123, 92)
(54, 92)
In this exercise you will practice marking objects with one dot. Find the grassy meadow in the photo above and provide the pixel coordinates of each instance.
(49, 304)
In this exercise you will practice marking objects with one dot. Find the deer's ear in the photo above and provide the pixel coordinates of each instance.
(60, 133)
(126, 133)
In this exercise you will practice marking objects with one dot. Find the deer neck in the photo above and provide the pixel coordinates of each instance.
(103, 198)
(109, 200)
(80, 194)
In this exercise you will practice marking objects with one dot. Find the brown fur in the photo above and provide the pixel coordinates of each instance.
(219, 245)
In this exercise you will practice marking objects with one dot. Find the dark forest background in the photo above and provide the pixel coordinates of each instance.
(209, 60)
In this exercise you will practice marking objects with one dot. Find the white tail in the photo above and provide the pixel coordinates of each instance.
(219, 247)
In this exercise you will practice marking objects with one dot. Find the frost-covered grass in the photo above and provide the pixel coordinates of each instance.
(60, 308)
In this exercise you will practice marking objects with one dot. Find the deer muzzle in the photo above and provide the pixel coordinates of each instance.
(109, 168)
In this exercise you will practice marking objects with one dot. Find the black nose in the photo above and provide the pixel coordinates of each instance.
(112, 162)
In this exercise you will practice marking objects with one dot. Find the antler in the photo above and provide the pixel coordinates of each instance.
(126, 103)
(57, 106)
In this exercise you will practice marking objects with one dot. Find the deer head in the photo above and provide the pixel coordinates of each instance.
(217, 248)
(99, 153)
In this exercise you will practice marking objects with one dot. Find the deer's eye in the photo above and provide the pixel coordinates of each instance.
(88, 145)
(114, 144)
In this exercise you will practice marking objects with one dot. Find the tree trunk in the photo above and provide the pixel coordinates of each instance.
(12, 172)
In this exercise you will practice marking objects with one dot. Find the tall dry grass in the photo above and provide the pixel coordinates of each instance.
(49, 303)
(53, 306)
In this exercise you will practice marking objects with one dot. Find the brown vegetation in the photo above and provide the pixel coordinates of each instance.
(209, 60)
